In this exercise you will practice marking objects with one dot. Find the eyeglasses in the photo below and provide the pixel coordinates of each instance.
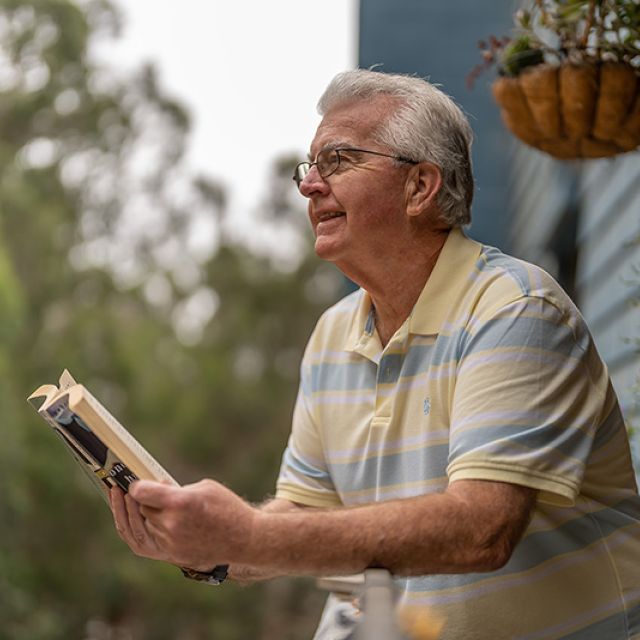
(328, 162)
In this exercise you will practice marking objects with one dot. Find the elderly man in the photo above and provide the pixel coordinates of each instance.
(455, 424)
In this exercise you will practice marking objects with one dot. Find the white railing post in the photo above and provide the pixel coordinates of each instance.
(379, 611)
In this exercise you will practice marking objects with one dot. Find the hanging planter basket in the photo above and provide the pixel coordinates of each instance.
(570, 76)
(589, 110)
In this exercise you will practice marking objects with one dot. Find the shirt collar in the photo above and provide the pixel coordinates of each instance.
(444, 288)
(362, 337)
(446, 284)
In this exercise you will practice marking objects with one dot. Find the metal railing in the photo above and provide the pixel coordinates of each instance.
(374, 594)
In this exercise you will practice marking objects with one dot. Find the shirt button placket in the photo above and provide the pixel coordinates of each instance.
(386, 371)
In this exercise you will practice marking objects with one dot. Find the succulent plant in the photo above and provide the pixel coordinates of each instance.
(566, 30)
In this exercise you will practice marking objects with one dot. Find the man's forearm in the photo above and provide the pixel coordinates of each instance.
(471, 527)
(247, 574)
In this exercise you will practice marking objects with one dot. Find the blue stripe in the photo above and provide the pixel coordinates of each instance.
(522, 442)
(518, 333)
(611, 628)
(622, 514)
(291, 461)
(633, 620)
(573, 535)
(390, 368)
(426, 463)
(346, 376)
(548, 335)
(418, 360)
(609, 428)
(361, 374)
(537, 548)
(492, 260)
(447, 348)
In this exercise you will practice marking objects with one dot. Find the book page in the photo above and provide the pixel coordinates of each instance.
(46, 393)
(41, 395)
(66, 381)
(116, 437)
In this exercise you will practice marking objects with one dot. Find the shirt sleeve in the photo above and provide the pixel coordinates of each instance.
(527, 399)
(304, 477)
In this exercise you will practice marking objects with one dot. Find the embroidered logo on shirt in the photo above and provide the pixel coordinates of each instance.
(426, 406)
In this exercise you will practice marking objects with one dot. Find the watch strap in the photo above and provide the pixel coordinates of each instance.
(214, 577)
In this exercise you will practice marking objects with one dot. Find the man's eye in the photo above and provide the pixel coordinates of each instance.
(347, 159)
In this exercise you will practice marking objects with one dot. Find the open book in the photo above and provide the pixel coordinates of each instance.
(105, 450)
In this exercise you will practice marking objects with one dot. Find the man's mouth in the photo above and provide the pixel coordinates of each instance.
(330, 215)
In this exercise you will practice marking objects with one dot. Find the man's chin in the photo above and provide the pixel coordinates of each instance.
(327, 248)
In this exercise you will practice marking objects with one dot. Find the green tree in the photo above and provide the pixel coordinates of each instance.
(194, 347)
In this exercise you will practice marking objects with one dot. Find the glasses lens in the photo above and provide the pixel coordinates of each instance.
(327, 161)
(301, 171)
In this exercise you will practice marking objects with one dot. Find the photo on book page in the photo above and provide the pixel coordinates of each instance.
(88, 447)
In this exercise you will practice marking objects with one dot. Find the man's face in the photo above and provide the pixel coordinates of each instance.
(367, 192)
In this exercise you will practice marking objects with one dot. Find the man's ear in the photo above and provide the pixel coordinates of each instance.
(423, 186)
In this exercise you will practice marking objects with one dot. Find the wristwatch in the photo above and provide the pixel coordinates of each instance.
(214, 577)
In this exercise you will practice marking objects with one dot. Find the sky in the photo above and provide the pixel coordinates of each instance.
(250, 72)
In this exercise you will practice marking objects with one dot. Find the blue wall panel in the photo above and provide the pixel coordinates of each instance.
(437, 39)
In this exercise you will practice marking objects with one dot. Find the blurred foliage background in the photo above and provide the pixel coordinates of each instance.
(192, 340)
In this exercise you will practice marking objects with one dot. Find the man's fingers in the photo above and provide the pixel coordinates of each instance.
(140, 535)
(119, 510)
(136, 521)
(156, 535)
(149, 513)
(151, 494)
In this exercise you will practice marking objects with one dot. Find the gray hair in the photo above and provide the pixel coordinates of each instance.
(428, 126)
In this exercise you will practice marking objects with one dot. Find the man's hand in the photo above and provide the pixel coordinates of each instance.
(197, 526)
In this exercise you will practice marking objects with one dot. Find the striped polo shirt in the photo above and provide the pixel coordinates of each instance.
(493, 376)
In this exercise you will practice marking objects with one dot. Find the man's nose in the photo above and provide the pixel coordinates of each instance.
(313, 182)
